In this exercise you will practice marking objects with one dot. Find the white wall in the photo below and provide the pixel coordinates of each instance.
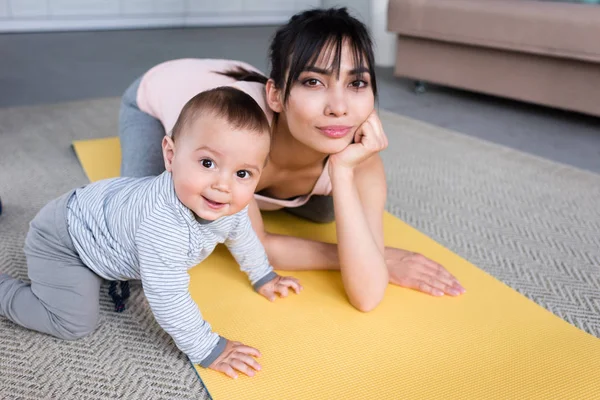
(361, 9)
(40, 15)
(372, 13)
(385, 42)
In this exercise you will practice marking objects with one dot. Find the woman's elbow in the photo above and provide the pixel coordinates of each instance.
(367, 298)
(367, 303)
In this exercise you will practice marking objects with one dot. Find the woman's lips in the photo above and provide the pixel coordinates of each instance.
(335, 131)
(213, 204)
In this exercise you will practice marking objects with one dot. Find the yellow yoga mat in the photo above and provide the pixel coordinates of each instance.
(491, 343)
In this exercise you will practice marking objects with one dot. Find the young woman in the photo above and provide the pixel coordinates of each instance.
(324, 163)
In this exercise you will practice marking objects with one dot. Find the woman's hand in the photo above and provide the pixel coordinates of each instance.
(237, 357)
(414, 271)
(369, 139)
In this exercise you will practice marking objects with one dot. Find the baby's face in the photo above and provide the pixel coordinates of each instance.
(216, 167)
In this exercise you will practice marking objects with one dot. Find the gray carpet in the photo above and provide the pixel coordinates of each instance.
(531, 223)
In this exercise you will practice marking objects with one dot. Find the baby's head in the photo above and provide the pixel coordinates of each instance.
(217, 151)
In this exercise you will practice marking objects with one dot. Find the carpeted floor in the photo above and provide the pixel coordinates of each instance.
(531, 223)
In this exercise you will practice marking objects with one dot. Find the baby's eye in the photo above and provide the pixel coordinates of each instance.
(244, 174)
(207, 163)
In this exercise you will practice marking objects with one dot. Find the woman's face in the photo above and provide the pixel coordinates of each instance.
(324, 110)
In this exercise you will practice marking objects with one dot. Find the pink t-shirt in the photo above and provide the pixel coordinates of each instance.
(165, 89)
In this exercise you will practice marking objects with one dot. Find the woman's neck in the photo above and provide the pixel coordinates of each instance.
(288, 153)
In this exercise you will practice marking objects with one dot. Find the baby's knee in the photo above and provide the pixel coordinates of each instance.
(78, 333)
(78, 328)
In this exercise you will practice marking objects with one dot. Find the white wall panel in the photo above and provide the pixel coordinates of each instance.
(28, 8)
(84, 7)
(137, 7)
(215, 6)
(269, 5)
(57, 15)
(169, 7)
(302, 5)
(4, 9)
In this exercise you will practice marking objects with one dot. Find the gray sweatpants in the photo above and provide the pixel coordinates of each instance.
(141, 153)
(63, 297)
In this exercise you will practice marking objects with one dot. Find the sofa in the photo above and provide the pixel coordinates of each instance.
(538, 51)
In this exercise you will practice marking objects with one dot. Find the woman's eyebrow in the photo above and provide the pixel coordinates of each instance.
(355, 71)
(317, 70)
(359, 71)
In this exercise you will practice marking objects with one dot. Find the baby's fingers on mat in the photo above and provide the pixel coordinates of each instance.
(248, 360)
(226, 369)
(247, 350)
(282, 290)
(294, 284)
(242, 367)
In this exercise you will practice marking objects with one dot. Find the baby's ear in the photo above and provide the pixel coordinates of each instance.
(168, 147)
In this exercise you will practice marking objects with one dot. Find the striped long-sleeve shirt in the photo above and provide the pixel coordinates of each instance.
(136, 228)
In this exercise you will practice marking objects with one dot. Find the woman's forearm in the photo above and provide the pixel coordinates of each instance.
(292, 253)
(362, 264)
(363, 267)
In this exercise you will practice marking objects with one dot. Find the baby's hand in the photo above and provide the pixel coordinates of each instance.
(236, 356)
(281, 286)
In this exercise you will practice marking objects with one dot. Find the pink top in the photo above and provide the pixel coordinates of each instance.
(165, 89)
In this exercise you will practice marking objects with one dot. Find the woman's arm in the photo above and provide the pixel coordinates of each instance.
(406, 269)
(292, 253)
(359, 192)
(359, 216)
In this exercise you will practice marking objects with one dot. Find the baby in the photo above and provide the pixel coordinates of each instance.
(155, 229)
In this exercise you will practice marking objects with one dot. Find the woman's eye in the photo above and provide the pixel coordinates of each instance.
(311, 82)
(244, 174)
(358, 84)
(206, 163)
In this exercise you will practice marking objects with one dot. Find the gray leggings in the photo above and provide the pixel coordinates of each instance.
(63, 297)
(141, 153)
(141, 136)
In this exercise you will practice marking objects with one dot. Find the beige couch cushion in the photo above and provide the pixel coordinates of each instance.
(557, 29)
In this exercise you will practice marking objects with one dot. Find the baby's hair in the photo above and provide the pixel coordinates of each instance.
(236, 107)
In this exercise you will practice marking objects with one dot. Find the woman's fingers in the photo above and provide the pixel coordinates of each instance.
(363, 133)
(441, 273)
(379, 138)
(424, 287)
(418, 272)
(443, 285)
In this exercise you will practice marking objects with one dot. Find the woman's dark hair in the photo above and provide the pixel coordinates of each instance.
(242, 74)
(298, 44)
